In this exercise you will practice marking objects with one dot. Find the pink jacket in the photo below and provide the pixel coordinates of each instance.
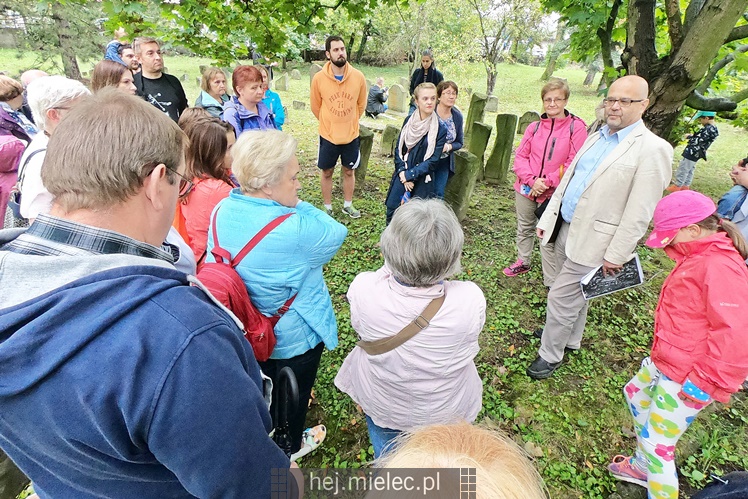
(542, 153)
(432, 377)
(197, 209)
(700, 321)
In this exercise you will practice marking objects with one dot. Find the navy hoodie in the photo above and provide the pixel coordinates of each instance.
(127, 382)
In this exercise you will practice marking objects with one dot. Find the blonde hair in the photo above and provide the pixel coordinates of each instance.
(260, 158)
(556, 84)
(424, 86)
(102, 154)
(208, 75)
(502, 469)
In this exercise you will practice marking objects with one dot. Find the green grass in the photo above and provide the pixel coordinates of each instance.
(578, 418)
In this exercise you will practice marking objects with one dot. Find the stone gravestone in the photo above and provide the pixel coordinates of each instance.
(475, 113)
(492, 105)
(313, 70)
(366, 139)
(525, 120)
(399, 99)
(184, 77)
(297, 104)
(389, 140)
(479, 142)
(197, 80)
(281, 83)
(203, 67)
(405, 83)
(468, 91)
(461, 185)
(369, 83)
(295, 74)
(497, 165)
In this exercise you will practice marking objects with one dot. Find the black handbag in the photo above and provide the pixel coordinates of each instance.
(559, 220)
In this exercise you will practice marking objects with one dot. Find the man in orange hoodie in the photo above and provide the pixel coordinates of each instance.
(338, 99)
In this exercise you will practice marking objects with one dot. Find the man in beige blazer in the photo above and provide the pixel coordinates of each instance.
(605, 201)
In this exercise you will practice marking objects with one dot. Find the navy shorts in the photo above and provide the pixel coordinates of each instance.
(349, 154)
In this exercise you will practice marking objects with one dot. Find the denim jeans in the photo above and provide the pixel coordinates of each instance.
(380, 437)
(305, 367)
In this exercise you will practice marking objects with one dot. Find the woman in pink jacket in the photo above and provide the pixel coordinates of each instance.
(209, 164)
(700, 349)
(547, 147)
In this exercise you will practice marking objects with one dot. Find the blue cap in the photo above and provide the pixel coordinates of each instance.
(705, 114)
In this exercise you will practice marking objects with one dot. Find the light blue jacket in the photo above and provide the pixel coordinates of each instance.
(273, 102)
(288, 260)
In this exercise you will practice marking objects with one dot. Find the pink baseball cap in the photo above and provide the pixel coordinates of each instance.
(675, 211)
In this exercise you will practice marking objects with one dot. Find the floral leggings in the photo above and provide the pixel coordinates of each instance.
(660, 419)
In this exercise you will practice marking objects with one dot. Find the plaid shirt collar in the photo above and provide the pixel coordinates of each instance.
(50, 236)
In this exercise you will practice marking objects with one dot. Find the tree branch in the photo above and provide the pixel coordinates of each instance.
(704, 85)
(738, 97)
(738, 33)
(698, 101)
(693, 10)
(675, 26)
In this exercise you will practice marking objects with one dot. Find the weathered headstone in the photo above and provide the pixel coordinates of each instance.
(197, 80)
(497, 165)
(468, 91)
(475, 113)
(398, 99)
(203, 67)
(297, 104)
(525, 120)
(369, 83)
(184, 77)
(404, 82)
(313, 70)
(461, 185)
(295, 74)
(479, 142)
(389, 140)
(366, 138)
(492, 105)
(281, 83)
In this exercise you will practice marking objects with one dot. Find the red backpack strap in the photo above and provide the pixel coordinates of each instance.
(258, 237)
(220, 254)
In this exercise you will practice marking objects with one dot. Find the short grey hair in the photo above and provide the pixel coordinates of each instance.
(107, 146)
(423, 243)
(50, 92)
(260, 158)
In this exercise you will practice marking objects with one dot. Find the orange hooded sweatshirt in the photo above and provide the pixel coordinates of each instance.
(338, 105)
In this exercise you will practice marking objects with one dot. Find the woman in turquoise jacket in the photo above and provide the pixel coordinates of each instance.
(272, 100)
(287, 262)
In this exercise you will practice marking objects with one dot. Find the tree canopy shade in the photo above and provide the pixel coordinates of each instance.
(227, 30)
(672, 49)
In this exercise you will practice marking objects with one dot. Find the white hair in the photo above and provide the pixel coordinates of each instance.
(260, 158)
(50, 92)
(423, 243)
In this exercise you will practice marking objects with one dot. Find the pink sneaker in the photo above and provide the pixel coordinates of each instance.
(517, 268)
(623, 469)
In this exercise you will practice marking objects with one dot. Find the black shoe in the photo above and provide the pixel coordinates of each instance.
(538, 333)
(368, 114)
(541, 369)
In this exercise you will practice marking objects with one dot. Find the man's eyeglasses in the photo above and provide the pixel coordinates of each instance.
(624, 102)
(551, 100)
(185, 184)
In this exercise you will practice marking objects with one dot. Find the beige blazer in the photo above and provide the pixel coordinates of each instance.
(617, 205)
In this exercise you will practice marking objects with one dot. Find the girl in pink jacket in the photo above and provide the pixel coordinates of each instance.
(547, 146)
(700, 349)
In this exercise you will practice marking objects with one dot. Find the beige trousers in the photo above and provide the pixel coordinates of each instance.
(566, 313)
(526, 222)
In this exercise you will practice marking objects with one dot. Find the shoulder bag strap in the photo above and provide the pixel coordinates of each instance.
(421, 322)
(222, 255)
(22, 168)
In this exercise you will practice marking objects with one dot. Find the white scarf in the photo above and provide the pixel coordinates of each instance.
(414, 130)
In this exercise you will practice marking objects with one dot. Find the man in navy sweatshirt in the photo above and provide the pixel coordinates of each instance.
(118, 376)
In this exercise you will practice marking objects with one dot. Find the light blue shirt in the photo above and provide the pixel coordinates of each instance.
(588, 165)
